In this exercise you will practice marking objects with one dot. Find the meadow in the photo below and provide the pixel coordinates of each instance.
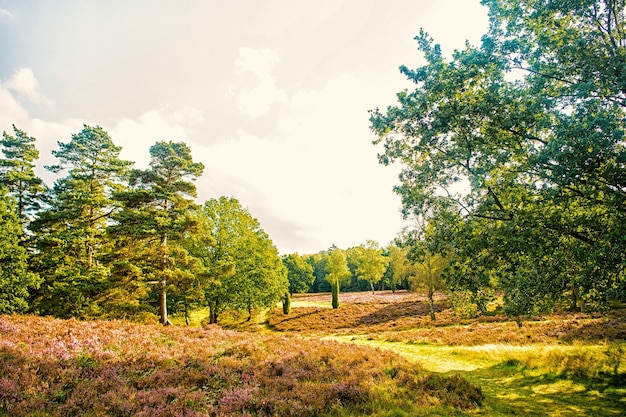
(378, 354)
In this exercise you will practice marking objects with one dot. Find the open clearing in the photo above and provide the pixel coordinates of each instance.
(377, 355)
(556, 365)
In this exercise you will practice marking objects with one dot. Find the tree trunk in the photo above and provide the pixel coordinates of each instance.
(372, 285)
(431, 303)
(286, 304)
(163, 305)
(213, 306)
(335, 295)
(163, 294)
(574, 304)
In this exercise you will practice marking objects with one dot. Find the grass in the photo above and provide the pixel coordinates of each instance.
(529, 380)
(377, 355)
(564, 364)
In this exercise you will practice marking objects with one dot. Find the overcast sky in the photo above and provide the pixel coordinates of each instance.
(271, 95)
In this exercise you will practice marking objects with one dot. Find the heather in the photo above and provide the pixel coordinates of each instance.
(403, 316)
(59, 367)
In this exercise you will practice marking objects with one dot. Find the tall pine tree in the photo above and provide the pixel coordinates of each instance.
(17, 172)
(156, 217)
(71, 233)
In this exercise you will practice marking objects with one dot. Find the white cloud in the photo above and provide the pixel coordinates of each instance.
(319, 171)
(188, 116)
(5, 14)
(257, 101)
(137, 136)
(11, 111)
(23, 82)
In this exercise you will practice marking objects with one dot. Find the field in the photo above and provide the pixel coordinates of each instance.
(378, 354)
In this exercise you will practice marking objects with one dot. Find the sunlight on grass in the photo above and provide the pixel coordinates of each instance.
(563, 386)
(195, 317)
(436, 358)
(318, 304)
(517, 380)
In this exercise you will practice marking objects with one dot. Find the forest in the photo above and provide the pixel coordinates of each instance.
(513, 173)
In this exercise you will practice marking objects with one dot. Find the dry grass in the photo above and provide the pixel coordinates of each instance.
(378, 354)
(563, 364)
(70, 368)
(404, 317)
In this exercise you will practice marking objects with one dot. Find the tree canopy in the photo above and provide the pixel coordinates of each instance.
(244, 268)
(514, 152)
(16, 280)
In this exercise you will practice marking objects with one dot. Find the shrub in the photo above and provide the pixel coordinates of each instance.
(120, 369)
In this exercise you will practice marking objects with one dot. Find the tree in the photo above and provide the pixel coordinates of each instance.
(15, 279)
(299, 273)
(400, 269)
(319, 263)
(244, 269)
(158, 212)
(514, 152)
(17, 172)
(371, 263)
(338, 272)
(428, 274)
(70, 235)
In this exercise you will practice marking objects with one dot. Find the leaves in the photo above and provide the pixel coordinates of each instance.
(513, 155)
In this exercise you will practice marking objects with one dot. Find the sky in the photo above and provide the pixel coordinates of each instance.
(272, 96)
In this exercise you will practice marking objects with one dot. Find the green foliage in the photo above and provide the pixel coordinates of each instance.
(513, 153)
(338, 272)
(319, 262)
(17, 172)
(400, 268)
(286, 303)
(370, 262)
(299, 273)
(157, 214)
(242, 265)
(15, 279)
(70, 235)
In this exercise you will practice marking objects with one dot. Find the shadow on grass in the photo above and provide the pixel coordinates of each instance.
(396, 311)
(511, 389)
(609, 327)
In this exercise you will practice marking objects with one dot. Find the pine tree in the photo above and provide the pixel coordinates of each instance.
(15, 279)
(158, 213)
(17, 173)
(71, 234)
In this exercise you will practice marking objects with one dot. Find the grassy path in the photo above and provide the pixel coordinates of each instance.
(539, 379)
(512, 388)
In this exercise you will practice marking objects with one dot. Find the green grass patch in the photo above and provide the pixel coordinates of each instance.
(545, 380)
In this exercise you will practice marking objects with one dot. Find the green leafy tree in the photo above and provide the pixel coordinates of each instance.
(70, 235)
(15, 279)
(399, 270)
(370, 262)
(158, 213)
(428, 274)
(299, 273)
(17, 172)
(514, 152)
(319, 263)
(244, 268)
(338, 272)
